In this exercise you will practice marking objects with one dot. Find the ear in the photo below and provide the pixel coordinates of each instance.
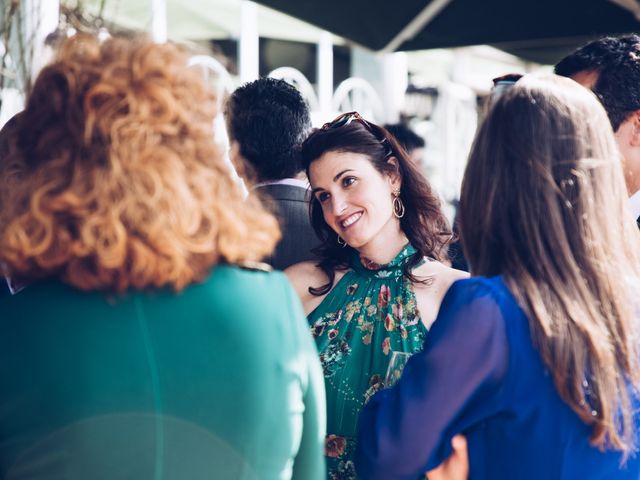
(241, 166)
(395, 179)
(234, 152)
(634, 118)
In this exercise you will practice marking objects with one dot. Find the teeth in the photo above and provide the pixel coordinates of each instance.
(351, 219)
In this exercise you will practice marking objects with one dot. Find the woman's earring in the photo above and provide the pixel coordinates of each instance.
(398, 206)
(341, 241)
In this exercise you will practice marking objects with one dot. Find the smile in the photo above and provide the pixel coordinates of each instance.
(350, 220)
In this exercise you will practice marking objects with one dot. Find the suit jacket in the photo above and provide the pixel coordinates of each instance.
(292, 209)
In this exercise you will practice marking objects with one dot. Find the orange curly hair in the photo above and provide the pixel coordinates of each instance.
(116, 181)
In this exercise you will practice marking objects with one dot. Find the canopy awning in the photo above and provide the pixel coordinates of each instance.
(533, 29)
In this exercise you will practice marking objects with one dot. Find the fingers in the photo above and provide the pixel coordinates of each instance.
(459, 444)
(456, 466)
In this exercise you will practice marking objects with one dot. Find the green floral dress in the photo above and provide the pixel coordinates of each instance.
(370, 313)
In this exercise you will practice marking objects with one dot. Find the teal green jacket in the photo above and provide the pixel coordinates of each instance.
(220, 381)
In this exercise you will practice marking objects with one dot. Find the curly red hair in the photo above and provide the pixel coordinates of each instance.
(116, 182)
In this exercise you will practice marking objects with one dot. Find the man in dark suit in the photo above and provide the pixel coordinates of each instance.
(610, 67)
(267, 120)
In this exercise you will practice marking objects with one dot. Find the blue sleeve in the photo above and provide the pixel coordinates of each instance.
(455, 382)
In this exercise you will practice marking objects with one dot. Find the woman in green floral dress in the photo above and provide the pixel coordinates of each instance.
(379, 281)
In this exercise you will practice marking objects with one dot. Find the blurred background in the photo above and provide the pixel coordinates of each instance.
(427, 63)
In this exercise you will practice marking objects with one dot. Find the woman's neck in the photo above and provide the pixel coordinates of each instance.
(384, 248)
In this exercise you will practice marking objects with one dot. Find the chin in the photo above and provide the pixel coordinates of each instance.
(356, 243)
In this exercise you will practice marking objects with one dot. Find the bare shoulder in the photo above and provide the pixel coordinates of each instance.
(439, 276)
(307, 274)
(447, 275)
(302, 276)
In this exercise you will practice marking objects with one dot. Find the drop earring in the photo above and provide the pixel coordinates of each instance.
(398, 206)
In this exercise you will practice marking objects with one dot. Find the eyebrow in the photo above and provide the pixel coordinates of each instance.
(336, 178)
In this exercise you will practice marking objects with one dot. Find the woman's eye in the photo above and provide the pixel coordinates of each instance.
(346, 181)
(322, 197)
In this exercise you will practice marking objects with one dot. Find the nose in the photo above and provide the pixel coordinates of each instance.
(338, 205)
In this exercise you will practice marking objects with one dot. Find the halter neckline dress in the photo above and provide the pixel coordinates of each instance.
(370, 313)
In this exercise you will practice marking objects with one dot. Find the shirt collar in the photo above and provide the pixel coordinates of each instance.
(634, 204)
(285, 181)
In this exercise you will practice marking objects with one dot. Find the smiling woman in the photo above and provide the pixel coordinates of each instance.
(352, 200)
(379, 281)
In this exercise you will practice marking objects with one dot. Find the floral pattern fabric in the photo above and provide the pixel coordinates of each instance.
(370, 313)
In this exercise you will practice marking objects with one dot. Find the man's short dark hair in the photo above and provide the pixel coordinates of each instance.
(269, 119)
(409, 139)
(616, 60)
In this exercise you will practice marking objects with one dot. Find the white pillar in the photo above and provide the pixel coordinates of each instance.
(395, 79)
(159, 20)
(41, 19)
(28, 54)
(325, 73)
(248, 55)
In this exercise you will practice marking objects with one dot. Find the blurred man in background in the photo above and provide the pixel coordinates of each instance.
(267, 121)
(610, 67)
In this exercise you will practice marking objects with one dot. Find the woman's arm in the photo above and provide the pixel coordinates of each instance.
(451, 385)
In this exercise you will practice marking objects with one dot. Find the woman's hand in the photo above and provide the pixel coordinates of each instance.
(456, 467)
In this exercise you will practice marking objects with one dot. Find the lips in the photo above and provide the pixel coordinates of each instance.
(350, 220)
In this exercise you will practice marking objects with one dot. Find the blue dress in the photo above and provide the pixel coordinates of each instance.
(480, 374)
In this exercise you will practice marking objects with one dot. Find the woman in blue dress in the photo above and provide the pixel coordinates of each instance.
(534, 359)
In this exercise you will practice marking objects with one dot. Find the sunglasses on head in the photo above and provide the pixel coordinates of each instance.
(502, 84)
(345, 119)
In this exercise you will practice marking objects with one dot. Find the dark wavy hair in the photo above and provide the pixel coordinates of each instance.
(423, 223)
(617, 63)
(269, 119)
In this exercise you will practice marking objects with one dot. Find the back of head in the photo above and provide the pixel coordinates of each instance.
(616, 61)
(118, 181)
(543, 205)
(269, 119)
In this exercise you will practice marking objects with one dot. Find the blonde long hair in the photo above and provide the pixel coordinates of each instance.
(544, 205)
(115, 181)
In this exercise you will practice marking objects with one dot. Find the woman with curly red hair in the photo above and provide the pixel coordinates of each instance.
(143, 346)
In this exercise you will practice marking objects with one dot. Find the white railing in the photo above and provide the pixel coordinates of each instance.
(221, 80)
(357, 94)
